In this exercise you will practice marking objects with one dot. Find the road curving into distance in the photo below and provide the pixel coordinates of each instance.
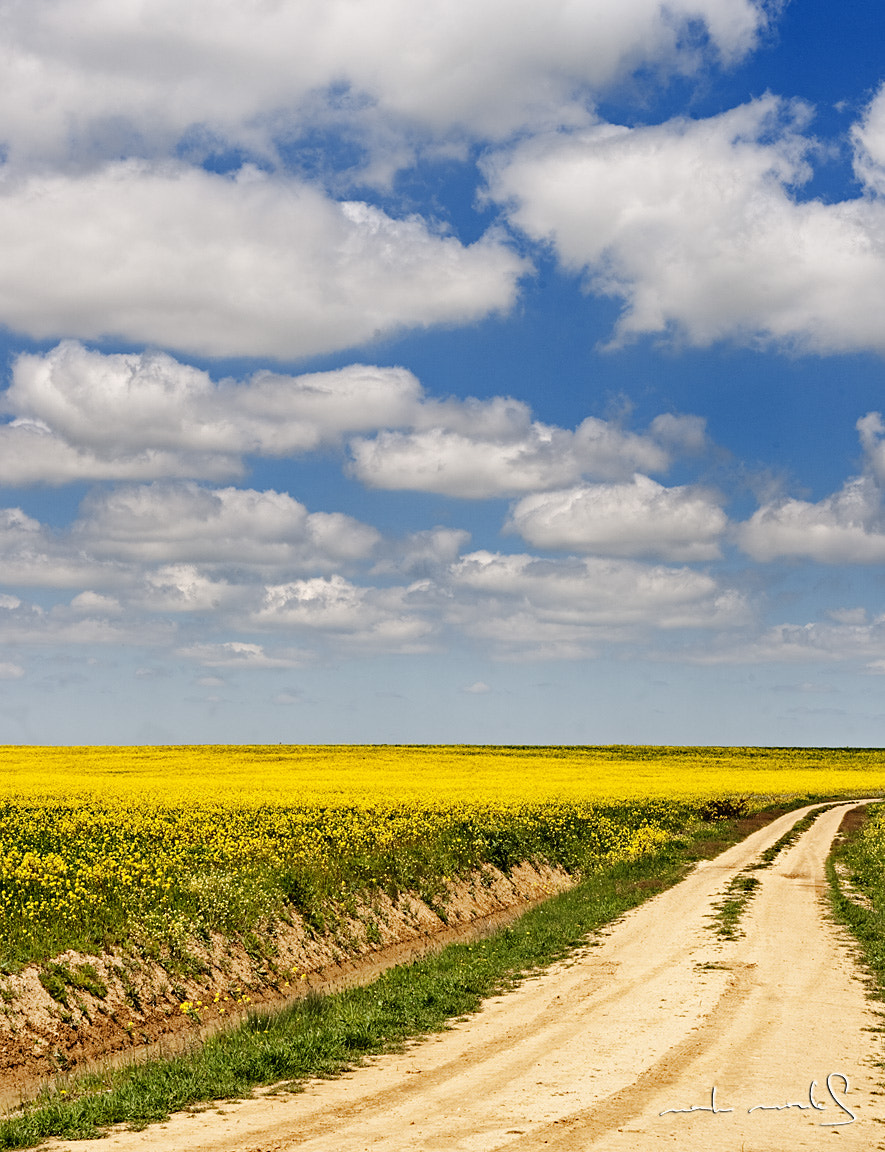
(648, 1019)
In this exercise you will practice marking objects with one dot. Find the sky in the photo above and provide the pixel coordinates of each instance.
(492, 372)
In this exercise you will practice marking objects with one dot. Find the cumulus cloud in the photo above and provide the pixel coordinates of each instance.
(230, 266)
(79, 414)
(232, 526)
(869, 144)
(526, 606)
(597, 590)
(696, 226)
(368, 619)
(847, 527)
(69, 624)
(686, 435)
(90, 602)
(814, 642)
(640, 518)
(871, 431)
(477, 689)
(86, 79)
(422, 554)
(31, 453)
(185, 588)
(510, 455)
(31, 556)
(83, 415)
(848, 615)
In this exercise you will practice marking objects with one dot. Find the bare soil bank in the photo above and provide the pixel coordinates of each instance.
(141, 1013)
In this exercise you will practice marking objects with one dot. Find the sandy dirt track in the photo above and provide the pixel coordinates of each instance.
(586, 1056)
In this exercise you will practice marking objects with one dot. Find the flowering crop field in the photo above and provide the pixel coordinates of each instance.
(348, 774)
(106, 846)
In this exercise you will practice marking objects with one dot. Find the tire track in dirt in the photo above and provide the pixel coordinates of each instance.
(589, 1053)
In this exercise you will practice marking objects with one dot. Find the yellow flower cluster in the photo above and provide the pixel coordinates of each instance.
(103, 845)
(218, 1003)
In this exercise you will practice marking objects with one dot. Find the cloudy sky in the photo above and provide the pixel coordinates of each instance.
(488, 371)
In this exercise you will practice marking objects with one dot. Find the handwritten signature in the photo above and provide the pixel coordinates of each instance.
(812, 1103)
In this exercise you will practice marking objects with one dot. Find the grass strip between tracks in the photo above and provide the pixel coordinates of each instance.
(325, 1035)
(741, 890)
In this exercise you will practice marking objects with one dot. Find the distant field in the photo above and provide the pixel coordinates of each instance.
(348, 774)
(150, 846)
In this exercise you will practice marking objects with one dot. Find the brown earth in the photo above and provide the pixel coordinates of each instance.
(620, 1048)
(141, 1012)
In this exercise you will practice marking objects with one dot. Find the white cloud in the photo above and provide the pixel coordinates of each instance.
(477, 689)
(515, 456)
(686, 434)
(695, 225)
(70, 624)
(564, 609)
(844, 528)
(165, 523)
(600, 591)
(810, 643)
(641, 518)
(847, 527)
(83, 415)
(423, 553)
(89, 602)
(86, 79)
(277, 414)
(368, 619)
(869, 144)
(848, 615)
(31, 556)
(230, 266)
(184, 588)
(239, 654)
(872, 440)
(80, 415)
(30, 453)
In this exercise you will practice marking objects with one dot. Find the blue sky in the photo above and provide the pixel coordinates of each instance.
(490, 372)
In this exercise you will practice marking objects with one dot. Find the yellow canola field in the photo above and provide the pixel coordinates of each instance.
(348, 774)
(104, 847)
(430, 775)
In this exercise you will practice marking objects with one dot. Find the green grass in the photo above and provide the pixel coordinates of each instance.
(860, 854)
(57, 978)
(741, 890)
(770, 854)
(731, 908)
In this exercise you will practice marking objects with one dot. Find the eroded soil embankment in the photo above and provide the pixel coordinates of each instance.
(124, 1004)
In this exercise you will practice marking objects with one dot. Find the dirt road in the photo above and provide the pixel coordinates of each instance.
(591, 1053)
